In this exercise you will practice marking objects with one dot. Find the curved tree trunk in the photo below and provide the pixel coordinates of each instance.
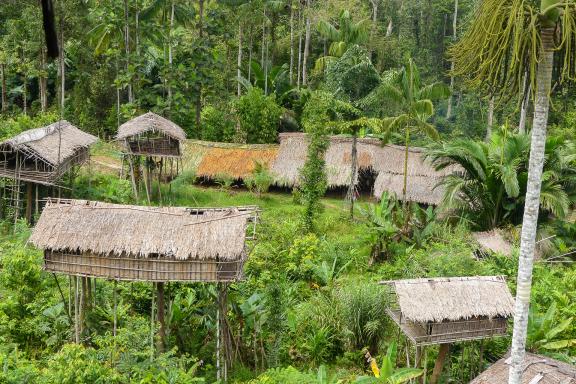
(531, 207)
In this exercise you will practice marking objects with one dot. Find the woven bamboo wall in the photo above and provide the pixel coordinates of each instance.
(157, 146)
(143, 269)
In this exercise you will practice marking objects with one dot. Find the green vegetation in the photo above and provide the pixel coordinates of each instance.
(310, 309)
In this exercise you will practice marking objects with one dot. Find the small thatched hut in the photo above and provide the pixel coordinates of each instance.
(493, 242)
(445, 310)
(381, 168)
(151, 135)
(236, 161)
(537, 370)
(124, 242)
(44, 155)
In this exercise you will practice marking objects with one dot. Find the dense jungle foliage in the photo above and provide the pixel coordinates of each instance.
(243, 71)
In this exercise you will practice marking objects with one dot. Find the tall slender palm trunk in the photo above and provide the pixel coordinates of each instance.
(353, 171)
(291, 43)
(3, 81)
(454, 37)
(532, 205)
(306, 45)
(490, 122)
(525, 101)
(239, 59)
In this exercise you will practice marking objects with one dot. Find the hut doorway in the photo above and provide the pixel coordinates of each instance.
(366, 179)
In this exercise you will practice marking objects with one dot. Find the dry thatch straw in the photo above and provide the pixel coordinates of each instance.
(537, 370)
(453, 298)
(114, 230)
(493, 241)
(150, 122)
(53, 144)
(386, 161)
(233, 160)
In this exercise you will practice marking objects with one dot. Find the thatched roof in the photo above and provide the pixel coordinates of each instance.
(150, 122)
(537, 370)
(52, 144)
(453, 298)
(134, 231)
(493, 241)
(233, 160)
(386, 161)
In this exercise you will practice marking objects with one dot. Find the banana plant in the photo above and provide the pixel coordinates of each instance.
(388, 373)
(544, 333)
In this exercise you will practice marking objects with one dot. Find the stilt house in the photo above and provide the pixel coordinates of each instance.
(135, 243)
(445, 310)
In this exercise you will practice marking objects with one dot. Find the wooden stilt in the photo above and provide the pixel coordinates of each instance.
(29, 203)
(161, 313)
(146, 182)
(160, 182)
(36, 206)
(222, 342)
(439, 364)
(76, 312)
(133, 177)
(152, 327)
(425, 365)
(115, 308)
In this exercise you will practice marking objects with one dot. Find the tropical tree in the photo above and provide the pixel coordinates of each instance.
(343, 35)
(546, 332)
(507, 39)
(488, 191)
(415, 100)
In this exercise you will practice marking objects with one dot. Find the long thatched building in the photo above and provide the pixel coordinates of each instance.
(536, 370)
(135, 243)
(380, 168)
(445, 310)
(151, 135)
(44, 155)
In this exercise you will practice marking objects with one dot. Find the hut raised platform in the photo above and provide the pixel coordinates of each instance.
(151, 135)
(44, 155)
(135, 243)
(445, 310)
(537, 370)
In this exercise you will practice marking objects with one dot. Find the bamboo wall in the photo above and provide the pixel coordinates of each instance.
(143, 269)
(156, 146)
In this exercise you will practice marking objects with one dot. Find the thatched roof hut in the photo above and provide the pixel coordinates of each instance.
(493, 242)
(43, 155)
(537, 370)
(386, 162)
(151, 135)
(127, 242)
(232, 160)
(441, 310)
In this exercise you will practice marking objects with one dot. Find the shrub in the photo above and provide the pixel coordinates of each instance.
(216, 125)
(259, 116)
(260, 181)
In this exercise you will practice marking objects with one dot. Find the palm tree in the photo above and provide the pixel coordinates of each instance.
(346, 34)
(415, 101)
(507, 39)
(490, 188)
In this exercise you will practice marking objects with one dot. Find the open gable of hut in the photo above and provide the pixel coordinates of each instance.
(151, 134)
(387, 162)
(232, 160)
(493, 242)
(436, 310)
(536, 370)
(43, 155)
(128, 242)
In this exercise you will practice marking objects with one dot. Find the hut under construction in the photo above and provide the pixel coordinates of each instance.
(236, 161)
(42, 156)
(446, 310)
(380, 168)
(536, 370)
(135, 243)
(156, 139)
(493, 241)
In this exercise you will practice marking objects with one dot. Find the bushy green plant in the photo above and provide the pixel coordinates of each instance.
(216, 125)
(13, 126)
(259, 116)
(288, 375)
(261, 179)
(225, 181)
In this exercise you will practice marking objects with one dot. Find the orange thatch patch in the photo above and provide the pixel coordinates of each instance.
(234, 162)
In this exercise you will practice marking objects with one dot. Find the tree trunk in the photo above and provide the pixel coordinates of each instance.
(532, 205)
(525, 103)
(299, 73)
(439, 364)
(239, 61)
(389, 29)
(200, 35)
(291, 43)
(42, 81)
(25, 94)
(405, 182)
(353, 170)
(454, 37)
(61, 60)
(490, 122)
(3, 80)
(127, 47)
(161, 317)
(170, 58)
(306, 45)
(250, 49)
